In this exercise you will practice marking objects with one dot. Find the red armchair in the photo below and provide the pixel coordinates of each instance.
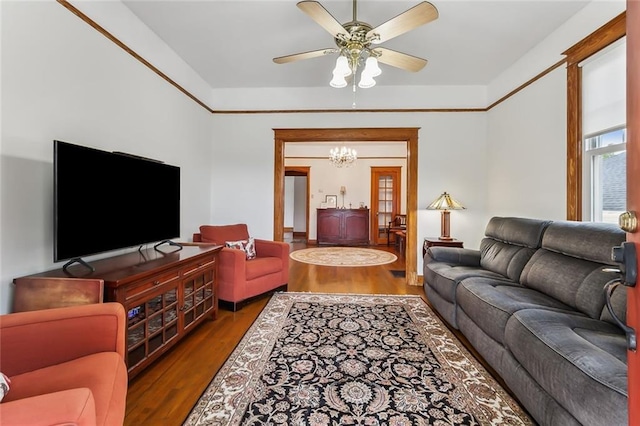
(240, 280)
(66, 366)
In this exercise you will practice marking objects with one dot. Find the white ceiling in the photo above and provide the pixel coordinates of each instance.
(231, 43)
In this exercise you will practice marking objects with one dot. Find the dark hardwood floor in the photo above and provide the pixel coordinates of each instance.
(166, 391)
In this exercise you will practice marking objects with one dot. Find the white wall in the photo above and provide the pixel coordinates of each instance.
(527, 152)
(451, 157)
(63, 80)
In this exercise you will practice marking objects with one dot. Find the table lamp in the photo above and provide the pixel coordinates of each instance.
(444, 203)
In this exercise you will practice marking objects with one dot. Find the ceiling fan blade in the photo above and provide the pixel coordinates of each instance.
(303, 55)
(418, 15)
(319, 14)
(400, 60)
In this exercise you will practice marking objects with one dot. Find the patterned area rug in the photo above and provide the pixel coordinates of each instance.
(343, 256)
(330, 359)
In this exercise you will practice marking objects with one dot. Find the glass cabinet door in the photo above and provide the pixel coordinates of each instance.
(385, 194)
(150, 325)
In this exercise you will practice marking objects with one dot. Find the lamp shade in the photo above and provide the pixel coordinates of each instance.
(445, 202)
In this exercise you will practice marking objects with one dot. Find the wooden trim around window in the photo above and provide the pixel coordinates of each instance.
(400, 134)
(594, 42)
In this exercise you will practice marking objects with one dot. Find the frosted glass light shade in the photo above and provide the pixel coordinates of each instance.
(338, 81)
(342, 67)
(371, 67)
(366, 80)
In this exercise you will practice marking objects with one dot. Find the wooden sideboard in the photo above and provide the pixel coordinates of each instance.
(165, 295)
(343, 226)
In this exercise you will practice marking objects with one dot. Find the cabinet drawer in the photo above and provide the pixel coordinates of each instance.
(150, 284)
(195, 267)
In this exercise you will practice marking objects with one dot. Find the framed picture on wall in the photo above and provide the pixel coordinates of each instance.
(331, 200)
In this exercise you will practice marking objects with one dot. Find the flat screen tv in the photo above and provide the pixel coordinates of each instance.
(105, 201)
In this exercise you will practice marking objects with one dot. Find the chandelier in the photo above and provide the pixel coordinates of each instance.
(342, 157)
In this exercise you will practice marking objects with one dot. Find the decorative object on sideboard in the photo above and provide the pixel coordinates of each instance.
(332, 201)
(343, 156)
(444, 203)
(343, 190)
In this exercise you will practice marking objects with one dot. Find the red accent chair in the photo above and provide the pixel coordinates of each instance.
(66, 366)
(241, 280)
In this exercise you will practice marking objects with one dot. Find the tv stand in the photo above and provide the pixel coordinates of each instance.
(79, 261)
(165, 295)
(169, 242)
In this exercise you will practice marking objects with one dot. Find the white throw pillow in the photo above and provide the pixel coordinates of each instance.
(249, 247)
(4, 385)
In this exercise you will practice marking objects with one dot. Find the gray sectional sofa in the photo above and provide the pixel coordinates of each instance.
(532, 304)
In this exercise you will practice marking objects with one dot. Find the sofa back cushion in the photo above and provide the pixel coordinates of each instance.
(220, 234)
(509, 243)
(569, 264)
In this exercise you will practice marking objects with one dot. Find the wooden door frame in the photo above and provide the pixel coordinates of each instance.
(409, 135)
(299, 171)
(633, 192)
(397, 202)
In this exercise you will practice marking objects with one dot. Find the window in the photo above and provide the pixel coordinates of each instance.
(603, 124)
(605, 176)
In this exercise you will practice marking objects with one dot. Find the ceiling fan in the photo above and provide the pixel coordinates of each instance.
(357, 42)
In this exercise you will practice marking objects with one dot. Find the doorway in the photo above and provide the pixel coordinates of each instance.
(296, 214)
(385, 201)
(409, 135)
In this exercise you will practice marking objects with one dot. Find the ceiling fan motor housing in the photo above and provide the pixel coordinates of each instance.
(356, 43)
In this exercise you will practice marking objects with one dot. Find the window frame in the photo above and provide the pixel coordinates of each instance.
(593, 43)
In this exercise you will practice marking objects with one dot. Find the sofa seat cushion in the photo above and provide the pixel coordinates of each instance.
(444, 278)
(104, 373)
(579, 361)
(490, 303)
(261, 266)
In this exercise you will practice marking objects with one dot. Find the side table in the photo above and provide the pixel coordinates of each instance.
(436, 242)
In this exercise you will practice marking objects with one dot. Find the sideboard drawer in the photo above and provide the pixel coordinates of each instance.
(151, 283)
(195, 267)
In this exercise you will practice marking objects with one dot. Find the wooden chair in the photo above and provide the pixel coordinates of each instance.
(399, 223)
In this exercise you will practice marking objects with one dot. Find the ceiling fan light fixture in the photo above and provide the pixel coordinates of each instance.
(366, 81)
(342, 67)
(354, 40)
(338, 81)
(371, 67)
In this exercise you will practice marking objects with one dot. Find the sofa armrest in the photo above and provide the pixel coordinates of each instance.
(266, 248)
(68, 407)
(453, 255)
(232, 264)
(42, 338)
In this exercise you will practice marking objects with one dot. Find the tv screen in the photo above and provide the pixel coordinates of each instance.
(106, 201)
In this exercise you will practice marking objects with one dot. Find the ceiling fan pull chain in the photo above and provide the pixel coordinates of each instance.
(353, 105)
